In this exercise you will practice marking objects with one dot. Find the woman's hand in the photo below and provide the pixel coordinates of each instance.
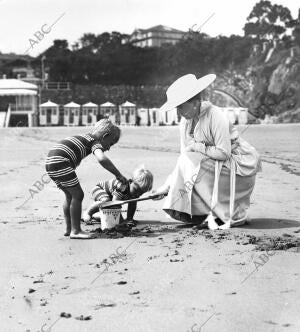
(234, 145)
(190, 147)
(161, 194)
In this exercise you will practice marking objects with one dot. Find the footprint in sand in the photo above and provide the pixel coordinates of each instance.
(270, 322)
(134, 293)
(121, 282)
(103, 305)
(81, 317)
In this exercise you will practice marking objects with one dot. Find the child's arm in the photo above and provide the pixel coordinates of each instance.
(107, 164)
(131, 210)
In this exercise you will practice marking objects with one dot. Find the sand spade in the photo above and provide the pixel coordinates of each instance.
(110, 212)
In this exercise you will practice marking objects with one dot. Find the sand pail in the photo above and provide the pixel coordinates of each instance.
(110, 217)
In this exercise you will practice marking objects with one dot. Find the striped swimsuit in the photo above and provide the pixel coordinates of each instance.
(65, 156)
(105, 191)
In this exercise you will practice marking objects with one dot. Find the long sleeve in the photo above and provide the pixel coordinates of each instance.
(184, 139)
(219, 126)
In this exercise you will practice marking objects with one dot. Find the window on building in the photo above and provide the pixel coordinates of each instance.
(23, 102)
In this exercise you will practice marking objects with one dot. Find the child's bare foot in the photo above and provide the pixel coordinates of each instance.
(81, 235)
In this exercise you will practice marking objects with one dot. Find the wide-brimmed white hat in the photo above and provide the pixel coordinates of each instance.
(185, 88)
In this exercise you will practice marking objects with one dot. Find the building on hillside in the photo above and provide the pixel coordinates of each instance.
(128, 113)
(156, 36)
(18, 103)
(49, 114)
(110, 111)
(71, 114)
(25, 69)
(89, 114)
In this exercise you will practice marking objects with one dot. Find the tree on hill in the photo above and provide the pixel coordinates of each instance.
(267, 21)
(296, 32)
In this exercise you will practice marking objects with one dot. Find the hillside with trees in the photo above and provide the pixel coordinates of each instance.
(262, 68)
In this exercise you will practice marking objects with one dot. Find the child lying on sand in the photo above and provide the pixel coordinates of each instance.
(64, 158)
(113, 189)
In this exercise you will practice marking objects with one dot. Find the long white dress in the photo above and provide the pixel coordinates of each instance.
(219, 176)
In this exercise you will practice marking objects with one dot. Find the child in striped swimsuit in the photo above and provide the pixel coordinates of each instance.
(64, 158)
(113, 189)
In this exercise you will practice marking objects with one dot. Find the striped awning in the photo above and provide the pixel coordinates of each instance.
(17, 92)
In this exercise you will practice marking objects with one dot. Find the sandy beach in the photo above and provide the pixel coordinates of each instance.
(163, 276)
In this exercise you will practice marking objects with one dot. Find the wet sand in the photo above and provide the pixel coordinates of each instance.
(160, 275)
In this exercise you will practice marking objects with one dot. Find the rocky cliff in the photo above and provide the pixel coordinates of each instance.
(268, 84)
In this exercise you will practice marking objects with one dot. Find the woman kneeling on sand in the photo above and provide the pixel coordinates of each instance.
(215, 172)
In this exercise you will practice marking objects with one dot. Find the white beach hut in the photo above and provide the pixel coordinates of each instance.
(171, 117)
(128, 113)
(89, 114)
(243, 116)
(231, 115)
(49, 114)
(110, 111)
(71, 114)
(156, 117)
(144, 116)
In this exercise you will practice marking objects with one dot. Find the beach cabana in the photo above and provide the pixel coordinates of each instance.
(128, 113)
(89, 114)
(144, 117)
(71, 114)
(49, 114)
(243, 116)
(18, 103)
(156, 117)
(236, 114)
(109, 110)
(231, 115)
(171, 117)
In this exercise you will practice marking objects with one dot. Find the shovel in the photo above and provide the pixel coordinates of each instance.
(117, 202)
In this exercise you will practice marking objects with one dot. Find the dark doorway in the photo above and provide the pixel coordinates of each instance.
(48, 116)
(18, 120)
(71, 118)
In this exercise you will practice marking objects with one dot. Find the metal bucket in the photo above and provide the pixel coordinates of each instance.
(110, 217)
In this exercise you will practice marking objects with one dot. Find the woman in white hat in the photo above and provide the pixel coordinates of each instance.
(215, 172)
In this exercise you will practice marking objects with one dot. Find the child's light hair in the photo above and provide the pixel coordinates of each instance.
(105, 126)
(143, 178)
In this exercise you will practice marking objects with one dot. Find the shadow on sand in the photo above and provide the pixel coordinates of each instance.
(270, 223)
(256, 223)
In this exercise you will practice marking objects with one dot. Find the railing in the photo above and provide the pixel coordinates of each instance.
(56, 86)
